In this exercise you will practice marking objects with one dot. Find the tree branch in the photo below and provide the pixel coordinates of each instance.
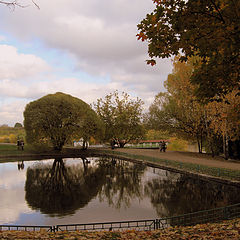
(217, 9)
(15, 3)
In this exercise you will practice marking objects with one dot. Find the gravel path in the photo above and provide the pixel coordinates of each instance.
(187, 157)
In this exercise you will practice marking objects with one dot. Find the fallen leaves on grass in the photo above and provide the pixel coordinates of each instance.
(226, 230)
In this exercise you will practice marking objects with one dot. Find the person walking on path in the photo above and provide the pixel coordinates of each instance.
(164, 146)
(160, 146)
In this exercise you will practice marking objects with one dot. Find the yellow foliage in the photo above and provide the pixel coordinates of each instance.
(177, 144)
(4, 139)
(92, 140)
(12, 138)
(224, 116)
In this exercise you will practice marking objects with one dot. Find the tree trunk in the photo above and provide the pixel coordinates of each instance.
(121, 144)
(84, 147)
(199, 145)
(225, 147)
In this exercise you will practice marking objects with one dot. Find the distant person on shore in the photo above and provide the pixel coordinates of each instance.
(164, 146)
(160, 146)
(22, 144)
(113, 142)
(18, 144)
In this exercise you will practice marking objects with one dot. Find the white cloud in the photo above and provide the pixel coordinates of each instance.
(14, 65)
(12, 201)
(99, 37)
(12, 204)
(12, 112)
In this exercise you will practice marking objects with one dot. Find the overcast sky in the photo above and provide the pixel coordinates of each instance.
(84, 48)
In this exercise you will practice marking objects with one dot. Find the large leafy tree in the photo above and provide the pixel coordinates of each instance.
(209, 29)
(122, 117)
(177, 110)
(58, 118)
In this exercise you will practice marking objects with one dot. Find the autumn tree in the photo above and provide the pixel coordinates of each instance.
(223, 119)
(58, 118)
(208, 29)
(216, 123)
(122, 117)
(177, 110)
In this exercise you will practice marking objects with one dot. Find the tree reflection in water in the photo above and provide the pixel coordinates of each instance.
(173, 195)
(61, 189)
(123, 183)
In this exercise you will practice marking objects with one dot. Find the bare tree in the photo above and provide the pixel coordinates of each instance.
(15, 3)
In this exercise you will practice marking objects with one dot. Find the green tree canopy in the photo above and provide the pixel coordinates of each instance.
(209, 29)
(122, 117)
(58, 118)
(18, 125)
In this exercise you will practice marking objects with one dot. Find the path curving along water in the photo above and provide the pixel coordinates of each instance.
(185, 157)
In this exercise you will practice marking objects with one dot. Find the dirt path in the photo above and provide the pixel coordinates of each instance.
(186, 157)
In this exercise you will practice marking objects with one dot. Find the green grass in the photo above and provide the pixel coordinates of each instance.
(8, 149)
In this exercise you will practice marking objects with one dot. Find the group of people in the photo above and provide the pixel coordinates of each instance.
(162, 146)
(20, 144)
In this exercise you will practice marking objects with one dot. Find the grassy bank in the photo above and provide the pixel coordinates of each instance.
(182, 166)
(10, 151)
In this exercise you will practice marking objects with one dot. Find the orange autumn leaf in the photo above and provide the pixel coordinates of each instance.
(151, 62)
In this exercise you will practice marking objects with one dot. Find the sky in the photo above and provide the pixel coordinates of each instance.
(87, 49)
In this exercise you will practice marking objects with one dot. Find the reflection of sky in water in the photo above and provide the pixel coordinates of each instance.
(162, 193)
(12, 196)
(15, 210)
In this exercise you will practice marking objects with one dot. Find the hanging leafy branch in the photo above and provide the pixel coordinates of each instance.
(208, 29)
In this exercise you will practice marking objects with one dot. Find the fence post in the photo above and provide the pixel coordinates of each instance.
(225, 213)
(54, 228)
(156, 224)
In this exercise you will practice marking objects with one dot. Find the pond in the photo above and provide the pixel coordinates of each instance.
(65, 191)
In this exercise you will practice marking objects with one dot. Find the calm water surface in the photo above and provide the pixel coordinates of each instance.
(64, 191)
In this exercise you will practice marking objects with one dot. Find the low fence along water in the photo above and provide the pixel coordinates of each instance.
(207, 216)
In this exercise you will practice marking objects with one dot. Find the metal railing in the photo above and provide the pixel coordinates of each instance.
(140, 225)
(206, 216)
(200, 217)
(25, 228)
